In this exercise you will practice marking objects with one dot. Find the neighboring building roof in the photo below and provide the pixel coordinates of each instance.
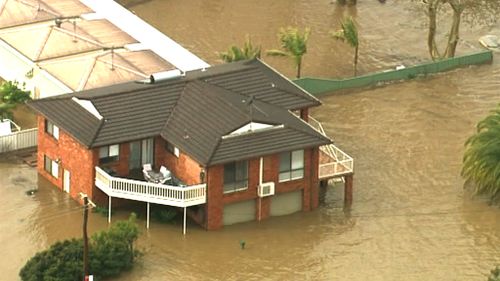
(84, 44)
(196, 112)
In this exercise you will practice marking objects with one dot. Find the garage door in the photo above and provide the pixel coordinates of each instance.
(239, 212)
(286, 203)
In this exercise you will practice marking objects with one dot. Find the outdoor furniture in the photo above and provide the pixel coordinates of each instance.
(167, 175)
(154, 176)
(146, 169)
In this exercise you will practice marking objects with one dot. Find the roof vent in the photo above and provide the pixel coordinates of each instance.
(165, 75)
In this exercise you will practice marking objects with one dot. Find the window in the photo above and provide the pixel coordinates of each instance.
(109, 153)
(172, 149)
(235, 176)
(51, 166)
(291, 165)
(51, 129)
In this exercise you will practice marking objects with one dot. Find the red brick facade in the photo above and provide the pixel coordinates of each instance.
(73, 157)
(216, 199)
(183, 167)
(80, 162)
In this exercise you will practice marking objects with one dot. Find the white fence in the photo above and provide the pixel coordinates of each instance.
(150, 192)
(19, 140)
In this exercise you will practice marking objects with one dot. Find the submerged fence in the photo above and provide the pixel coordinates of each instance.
(320, 86)
(19, 140)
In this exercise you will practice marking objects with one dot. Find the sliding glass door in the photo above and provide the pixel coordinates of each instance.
(141, 152)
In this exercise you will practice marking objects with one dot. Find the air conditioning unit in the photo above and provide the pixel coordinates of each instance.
(266, 189)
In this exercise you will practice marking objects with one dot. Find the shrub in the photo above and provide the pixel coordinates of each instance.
(11, 94)
(495, 274)
(164, 215)
(110, 252)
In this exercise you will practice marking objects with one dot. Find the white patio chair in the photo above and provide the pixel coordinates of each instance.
(165, 173)
(146, 168)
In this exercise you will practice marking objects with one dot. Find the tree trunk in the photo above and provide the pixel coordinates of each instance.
(352, 2)
(454, 32)
(431, 38)
(299, 66)
(342, 2)
(356, 60)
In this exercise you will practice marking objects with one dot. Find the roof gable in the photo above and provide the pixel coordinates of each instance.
(196, 112)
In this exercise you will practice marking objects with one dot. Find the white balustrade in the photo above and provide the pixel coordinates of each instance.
(19, 140)
(150, 192)
(341, 163)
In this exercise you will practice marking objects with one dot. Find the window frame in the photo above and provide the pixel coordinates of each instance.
(51, 166)
(52, 129)
(292, 171)
(109, 158)
(170, 147)
(236, 184)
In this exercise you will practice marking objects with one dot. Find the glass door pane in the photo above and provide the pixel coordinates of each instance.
(135, 156)
(147, 151)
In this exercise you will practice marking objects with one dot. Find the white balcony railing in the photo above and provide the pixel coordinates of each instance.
(150, 192)
(333, 161)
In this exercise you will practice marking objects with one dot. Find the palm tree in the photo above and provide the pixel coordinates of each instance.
(349, 34)
(481, 162)
(293, 45)
(235, 53)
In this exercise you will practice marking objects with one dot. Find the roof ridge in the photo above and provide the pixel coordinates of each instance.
(96, 134)
(174, 107)
(213, 151)
(307, 94)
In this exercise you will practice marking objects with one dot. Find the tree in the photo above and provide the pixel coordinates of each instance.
(348, 2)
(472, 10)
(481, 162)
(111, 252)
(235, 53)
(495, 274)
(10, 96)
(349, 34)
(293, 45)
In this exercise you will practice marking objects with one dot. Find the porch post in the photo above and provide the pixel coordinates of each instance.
(147, 217)
(109, 209)
(184, 224)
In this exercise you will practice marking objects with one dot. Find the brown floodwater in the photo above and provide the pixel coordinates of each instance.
(411, 218)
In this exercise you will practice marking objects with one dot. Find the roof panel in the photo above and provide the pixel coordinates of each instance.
(195, 115)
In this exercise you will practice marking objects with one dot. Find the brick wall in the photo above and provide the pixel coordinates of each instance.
(72, 156)
(216, 199)
(120, 166)
(183, 167)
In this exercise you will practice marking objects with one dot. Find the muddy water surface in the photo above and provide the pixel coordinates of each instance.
(411, 219)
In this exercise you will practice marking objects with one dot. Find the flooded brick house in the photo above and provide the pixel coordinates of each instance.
(235, 137)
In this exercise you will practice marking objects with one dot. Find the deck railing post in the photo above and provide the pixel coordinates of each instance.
(109, 209)
(147, 219)
(184, 223)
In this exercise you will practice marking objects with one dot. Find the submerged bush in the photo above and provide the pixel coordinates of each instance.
(495, 274)
(110, 252)
(164, 215)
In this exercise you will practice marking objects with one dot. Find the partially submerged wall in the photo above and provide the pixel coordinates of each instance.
(321, 86)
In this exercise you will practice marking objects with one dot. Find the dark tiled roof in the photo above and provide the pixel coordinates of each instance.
(195, 113)
(255, 78)
(67, 114)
